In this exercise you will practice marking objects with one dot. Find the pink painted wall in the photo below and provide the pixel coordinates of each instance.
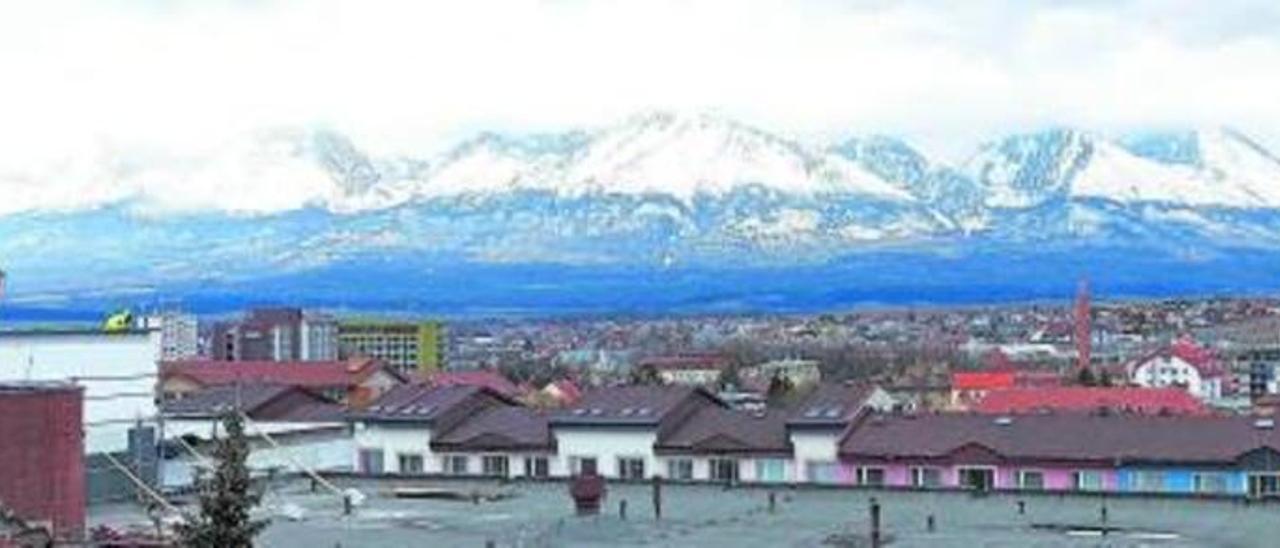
(899, 475)
(848, 474)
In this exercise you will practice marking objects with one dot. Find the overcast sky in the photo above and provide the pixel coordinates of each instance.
(169, 77)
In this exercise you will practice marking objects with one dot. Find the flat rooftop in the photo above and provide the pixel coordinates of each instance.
(541, 515)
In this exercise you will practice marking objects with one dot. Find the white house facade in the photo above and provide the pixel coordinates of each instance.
(631, 433)
(1182, 367)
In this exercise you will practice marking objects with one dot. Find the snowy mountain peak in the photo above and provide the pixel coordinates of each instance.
(675, 154)
(887, 157)
(1217, 168)
(1028, 169)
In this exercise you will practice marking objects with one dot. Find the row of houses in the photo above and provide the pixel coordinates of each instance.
(628, 433)
(1208, 455)
(840, 435)
(1071, 438)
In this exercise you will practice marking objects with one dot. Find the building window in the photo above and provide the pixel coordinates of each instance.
(536, 467)
(871, 476)
(410, 464)
(822, 472)
(371, 461)
(583, 466)
(457, 465)
(926, 477)
(981, 479)
(494, 465)
(631, 468)
(1148, 481)
(1087, 480)
(771, 470)
(680, 469)
(1209, 482)
(1264, 485)
(1030, 480)
(724, 470)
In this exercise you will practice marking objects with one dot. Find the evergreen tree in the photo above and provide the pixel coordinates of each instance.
(731, 378)
(645, 374)
(780, 390)
(226, 496)
(1104, 379)
(1086, 377)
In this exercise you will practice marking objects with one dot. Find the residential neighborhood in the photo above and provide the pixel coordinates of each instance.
(1161, 401)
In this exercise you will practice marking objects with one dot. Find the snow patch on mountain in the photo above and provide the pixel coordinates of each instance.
(678, 155)
(1220, 168)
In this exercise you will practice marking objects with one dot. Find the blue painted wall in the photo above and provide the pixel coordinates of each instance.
(1181, 480)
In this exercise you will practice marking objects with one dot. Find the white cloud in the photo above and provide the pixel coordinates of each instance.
(88, 82)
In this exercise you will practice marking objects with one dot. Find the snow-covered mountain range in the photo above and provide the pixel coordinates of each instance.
(655, 189)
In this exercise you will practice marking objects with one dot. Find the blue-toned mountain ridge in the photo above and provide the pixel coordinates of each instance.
(708, 212)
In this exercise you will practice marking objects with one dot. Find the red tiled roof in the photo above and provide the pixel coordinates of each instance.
(1136, 400)
(488, 379)
(1187, 350)
(982, 380)
(1198, 356)
(306, 374)
(569, 391)
(1037, 379)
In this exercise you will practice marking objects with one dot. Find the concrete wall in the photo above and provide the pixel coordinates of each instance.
(394, 439)
(515, 462)
(813, 447)
(118, 372)
(606, 445)
(318, 446)
(749, 468)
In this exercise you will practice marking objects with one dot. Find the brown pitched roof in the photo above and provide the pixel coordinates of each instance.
(830, 405)
(262, 402)
(309, 374)
(418, 402)
(499, 428)
(1110, 439)
(720, 431)
(627, 405)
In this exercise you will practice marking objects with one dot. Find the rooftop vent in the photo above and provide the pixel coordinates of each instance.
(832, 413)
(626, 411)
(596, 411)
(812, 413)
(1004, 421)
(579, 412)
(1264, 424)
(644, 411)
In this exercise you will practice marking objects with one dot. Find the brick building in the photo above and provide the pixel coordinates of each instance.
(42, 480)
